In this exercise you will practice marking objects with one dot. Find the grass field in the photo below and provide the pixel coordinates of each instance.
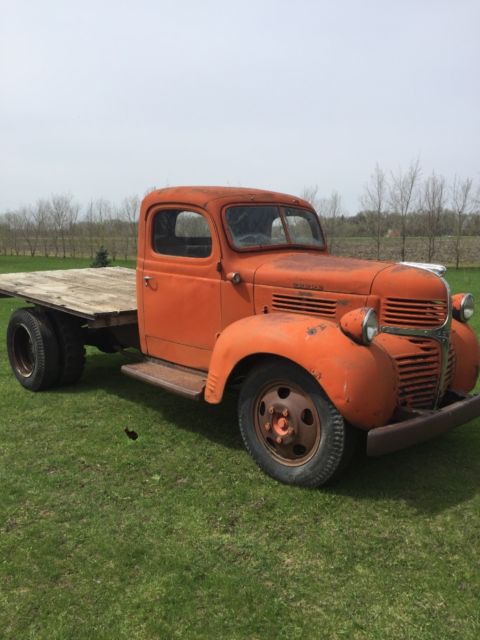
(179, 535)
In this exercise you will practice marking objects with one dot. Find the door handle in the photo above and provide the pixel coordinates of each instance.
(234, 277)
(146, 280)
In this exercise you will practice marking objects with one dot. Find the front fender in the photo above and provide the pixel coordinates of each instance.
(467, 355)
(359, 380)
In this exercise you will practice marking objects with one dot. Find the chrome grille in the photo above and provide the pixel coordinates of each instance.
(452, 361)
(303, 304)
(418, 374)
(421, 314)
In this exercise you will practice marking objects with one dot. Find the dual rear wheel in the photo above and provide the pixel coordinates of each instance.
(45, 349)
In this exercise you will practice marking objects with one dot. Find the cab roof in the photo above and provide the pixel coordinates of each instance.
(203, 196)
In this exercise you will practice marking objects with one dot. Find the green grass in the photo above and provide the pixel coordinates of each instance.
(39, 263)
(179, 535)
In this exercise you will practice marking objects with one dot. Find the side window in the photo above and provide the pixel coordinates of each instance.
(181, 233)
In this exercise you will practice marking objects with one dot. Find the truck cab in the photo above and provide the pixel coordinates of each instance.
(199, 252)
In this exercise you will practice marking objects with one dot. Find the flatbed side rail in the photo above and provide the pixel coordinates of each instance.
(103, 297)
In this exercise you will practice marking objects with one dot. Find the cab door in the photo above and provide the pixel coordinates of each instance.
(181, 286)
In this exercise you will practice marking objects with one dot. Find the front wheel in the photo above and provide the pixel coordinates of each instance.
(290, 427)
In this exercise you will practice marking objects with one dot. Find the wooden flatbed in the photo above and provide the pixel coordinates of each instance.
(103, 297)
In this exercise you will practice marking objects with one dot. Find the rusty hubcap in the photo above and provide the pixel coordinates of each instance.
(287, 423)
(24, 351)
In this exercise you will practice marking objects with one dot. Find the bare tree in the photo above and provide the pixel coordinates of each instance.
(13, 223)
(103, 212)
(90, 227)
(462, 205)
(374, 202)
(433, 204)
(331, 209)
(73, 212)
(28, 229)
(99, 212)
(42, 216)
(128, 213)
(4, 235)
(64, 213)
(402, 195)
(114, 228)
(310, 194)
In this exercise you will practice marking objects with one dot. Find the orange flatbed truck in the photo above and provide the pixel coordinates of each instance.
(236, 288)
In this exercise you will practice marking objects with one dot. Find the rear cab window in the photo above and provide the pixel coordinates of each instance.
(182, 233)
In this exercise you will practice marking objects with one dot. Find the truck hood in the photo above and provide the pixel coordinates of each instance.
(320, 272)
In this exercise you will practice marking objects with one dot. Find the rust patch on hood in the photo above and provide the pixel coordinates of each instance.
(311, 331)
(318, 271)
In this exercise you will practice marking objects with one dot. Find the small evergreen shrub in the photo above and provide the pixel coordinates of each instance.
(101, 259)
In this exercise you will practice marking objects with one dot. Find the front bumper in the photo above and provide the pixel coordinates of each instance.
(399, 435)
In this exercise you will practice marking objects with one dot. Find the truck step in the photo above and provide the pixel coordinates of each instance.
(185, 382)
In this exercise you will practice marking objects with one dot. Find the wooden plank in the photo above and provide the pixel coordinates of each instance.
(90, 293)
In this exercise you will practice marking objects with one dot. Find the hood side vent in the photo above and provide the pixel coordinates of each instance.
(303, 304)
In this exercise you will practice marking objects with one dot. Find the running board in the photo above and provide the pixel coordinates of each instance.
(184, 382)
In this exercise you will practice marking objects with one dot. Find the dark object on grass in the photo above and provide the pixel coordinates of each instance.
(101, 259)
(133, 435)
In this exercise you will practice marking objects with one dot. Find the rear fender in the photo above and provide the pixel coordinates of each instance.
(359, 380)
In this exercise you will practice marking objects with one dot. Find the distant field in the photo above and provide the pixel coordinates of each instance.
(179, 535)
(416, 249)
(364, 247)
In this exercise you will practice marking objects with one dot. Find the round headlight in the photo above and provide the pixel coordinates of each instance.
(467, 307)
(463, 306)
(360, 324)
(369, 326)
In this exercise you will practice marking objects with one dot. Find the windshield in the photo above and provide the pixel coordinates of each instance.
(252, 226)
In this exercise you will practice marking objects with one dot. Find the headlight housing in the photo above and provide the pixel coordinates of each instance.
(360, 325)
(463, 306)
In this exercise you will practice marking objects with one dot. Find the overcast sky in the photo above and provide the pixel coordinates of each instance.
(109, 98)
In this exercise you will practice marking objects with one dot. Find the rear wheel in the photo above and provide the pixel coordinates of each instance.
(33, 349)
(290, 427)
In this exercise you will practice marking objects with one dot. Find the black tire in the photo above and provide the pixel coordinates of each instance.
(316, 443)
(72, 351)
(33, 349)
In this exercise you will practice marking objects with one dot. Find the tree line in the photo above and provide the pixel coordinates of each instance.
(59, 227)
(396, 209)
(404, 206)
